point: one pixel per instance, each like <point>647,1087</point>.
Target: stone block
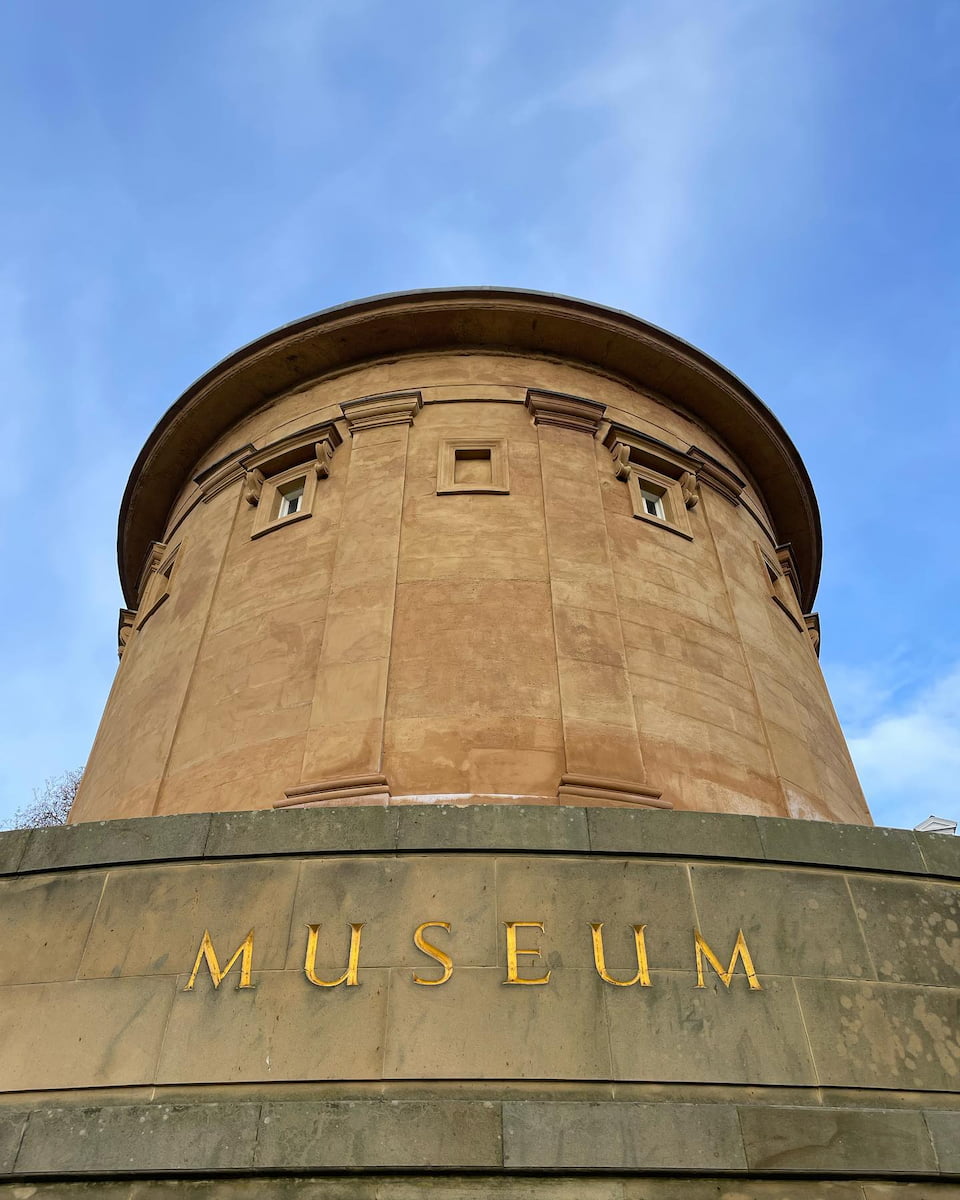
<point>371,1134</point>
<point>567,894</point>
<point>44,922</point>
<point>55,1035</point>
<point>836,1141</point>
<point>812,928</point>
<point>941,853</point>
<point>744,1189</point>
<point>824,843</point>
<point>12,1125</point>
<point>912,927</point>
<point>121,1138</point>
<point>625,1137</point>
<point>151,920</point>
<point>283,1028</point>
<point>301,831</point>
<point>477,1027</point>
<point>676,1032</point>
<point>493,1187</point>
<point>139,839</point>
<point>710,835</point>
<point>392,896</point>
<point>12,845</point>
<point>945,1130</point>
<point>492,827</point>
<point>882,1035</point>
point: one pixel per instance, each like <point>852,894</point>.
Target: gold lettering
<point>643,974</point>
<point>512,952</point>
<point>739,951</point>
<point>444,960</point>
<point>207,953</point>
<point>349,977</point>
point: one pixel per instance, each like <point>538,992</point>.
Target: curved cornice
<point>473,318</point>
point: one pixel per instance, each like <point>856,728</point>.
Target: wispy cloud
<point>907,750</point>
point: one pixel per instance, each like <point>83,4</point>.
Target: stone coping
<point>505,1136</point>
<point>480,827</point>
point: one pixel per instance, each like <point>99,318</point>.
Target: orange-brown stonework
<point>469,545</point>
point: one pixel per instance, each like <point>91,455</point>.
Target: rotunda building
<point>469,817</point>
<point>470,545</point>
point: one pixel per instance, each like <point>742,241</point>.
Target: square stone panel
<point>882,1035</point>
<point>567,894</point>
<point>393,895</point>
<point>794,922</point>
<point>912,927</point>
<point>674,1031</point>
<point>44,921</point>
<point>55,1035</point>
<point>151,919</point>
<point>476,1027</point>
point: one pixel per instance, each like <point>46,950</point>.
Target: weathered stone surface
<point>836,1141</point>
<point>945,1130</point>
<point>284,1028</point>
<point>44,923</point>
<point>913,927</point>
<point>578,1136</point>
<point>118,841</point>
<point>493,827</point>
<point>810,929</point>
<point>676,1031</point>
<point>151,921</point>
<point>941,853</point>
<point>301,831</point>
<point>12,845</point>
<point>139,1138</point>
<point>392,895</point>
<point>827,844</point>
<point>12,1125</point>
<point>573,892</point>
<point>87,1033</point>
<point>882,1035</point>
<point>712,835</point>
<point>477,1027</point>
<point>352,1134</point>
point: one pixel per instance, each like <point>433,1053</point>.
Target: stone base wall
<point>479,1001</point>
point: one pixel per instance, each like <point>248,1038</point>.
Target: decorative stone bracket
<point>315,446</point>
<point>390,408</point>
<point>690,468</point>
<point>569,412</point>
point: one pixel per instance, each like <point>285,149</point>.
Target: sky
<point>776,181</point>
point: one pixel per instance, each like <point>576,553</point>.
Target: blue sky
<point>774,180</point>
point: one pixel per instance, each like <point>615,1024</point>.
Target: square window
<point>156,586</point>
<point>780,588</point>
<point>472,465</point>
<point>284,499</point>
<point>658,499</point>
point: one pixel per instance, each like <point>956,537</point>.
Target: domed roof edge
<point>252,374</point>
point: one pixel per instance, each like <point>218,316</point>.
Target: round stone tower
<point>469,545</point>
<point>467,703</point>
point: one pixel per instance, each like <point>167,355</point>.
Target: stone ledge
<point>485,827</point>
<point>366,1136</point>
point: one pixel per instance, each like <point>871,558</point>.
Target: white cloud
<point>908,755</point>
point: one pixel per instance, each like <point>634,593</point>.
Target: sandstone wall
<point>542,645</point>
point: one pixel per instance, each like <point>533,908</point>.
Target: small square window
<point>284,499</point>
<point>658,499</point>
<point>780,588</point>
<point>472,465</point>
<point>156,586</point>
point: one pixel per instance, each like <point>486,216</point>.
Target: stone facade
<point>543,553</point>
<point>127,1073</point>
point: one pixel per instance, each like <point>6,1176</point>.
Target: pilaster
<point>604,761</point>
<point>343,753</point>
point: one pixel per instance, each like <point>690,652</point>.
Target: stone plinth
<point>824,1064</point>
